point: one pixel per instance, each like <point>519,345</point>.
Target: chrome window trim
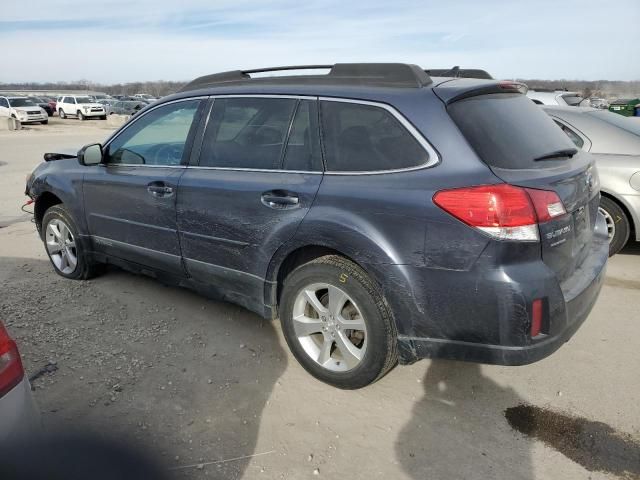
<point>128,124</point>
<point>269,170</point>
<point>433,157</point>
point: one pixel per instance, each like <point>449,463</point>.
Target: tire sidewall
<point>60,213</point>
<point>371,308</point>
<point>621,235</point>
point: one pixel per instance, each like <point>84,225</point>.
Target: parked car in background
<point>596,102</point>
<point>43,104</point>
<point>80,106</point>
<point>145,96</point>
<point>107,104</point>
<point>19,416</point>
<point>614,141</point>
<point>99,96</point>
<point>22,109</point>
<point>428,217</point>
<point>127,107</point>
<point>556,97</point>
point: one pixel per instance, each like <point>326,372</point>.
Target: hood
<point>31,108</point>
<point>91,104</point>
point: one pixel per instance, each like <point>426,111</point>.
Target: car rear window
<point>508,130</point>
<point>572,100</point>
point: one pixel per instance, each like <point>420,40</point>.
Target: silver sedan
<point>614,141</point>
<point>19,416</point>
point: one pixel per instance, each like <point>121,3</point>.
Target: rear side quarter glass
<point>508,130</point>
<point>303,145</point>
<point>367,138</point>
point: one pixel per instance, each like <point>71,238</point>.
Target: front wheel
<point>337,324</point>
<point>66,253</point>
<point>618,226</point>
<point>44,122</point>
<point>81,116</point>
<point>61,113</point>
<point>103,117</point>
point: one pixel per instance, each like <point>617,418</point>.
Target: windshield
<point>21,102</point>
<point>630,124</point>
<point>83,100</point>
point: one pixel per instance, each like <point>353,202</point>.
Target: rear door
<point>259,170</point>
<point>523,146</point>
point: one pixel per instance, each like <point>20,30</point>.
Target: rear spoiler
<point>457,92</point>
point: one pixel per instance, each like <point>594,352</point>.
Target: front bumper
<point>41,117</point>
<point>485,316</point>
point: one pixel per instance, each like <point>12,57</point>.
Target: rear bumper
<point>485,316</point>
<point>19,416</point>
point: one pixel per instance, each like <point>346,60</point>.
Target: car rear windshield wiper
<point>567,152</point>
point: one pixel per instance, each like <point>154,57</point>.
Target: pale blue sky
<point>123,40</point>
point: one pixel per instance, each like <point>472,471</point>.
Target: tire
<point>44,122</point>
<point>374,346</point>
<point>81,117</point>
<point>58,224</point>
<point>61,113</point>
<point>617,224</point>
<point>103,117</point>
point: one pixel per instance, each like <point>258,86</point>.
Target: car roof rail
<point>457,72</point>
<point>375,74</point>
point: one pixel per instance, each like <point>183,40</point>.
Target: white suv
<point>23,109</point>
<point>80,106</point>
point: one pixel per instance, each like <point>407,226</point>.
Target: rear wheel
<point>66,253</point>
<point>337,324</point>
<point>618,226</point>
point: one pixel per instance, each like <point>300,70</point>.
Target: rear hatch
<point>524,147</point>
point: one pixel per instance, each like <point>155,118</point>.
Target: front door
<point>259,170</point>
<point>130,200</point>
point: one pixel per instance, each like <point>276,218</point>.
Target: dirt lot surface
<point>213,391</point>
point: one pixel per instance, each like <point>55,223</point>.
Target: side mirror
<point>90,154</point>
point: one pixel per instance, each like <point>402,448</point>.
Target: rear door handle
<point>159,189</point>
<point>280,199</point>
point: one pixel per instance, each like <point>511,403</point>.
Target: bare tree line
<point>160,88</point>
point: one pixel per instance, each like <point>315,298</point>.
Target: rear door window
<point>247,132</point>
<point>509,131</point>
<point>359,137</point>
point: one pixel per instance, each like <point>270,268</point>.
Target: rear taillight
<point>503,211</point>
<point>11,371</point>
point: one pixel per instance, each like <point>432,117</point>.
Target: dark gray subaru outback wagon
<point>381,214</point>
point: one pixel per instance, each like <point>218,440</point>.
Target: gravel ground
<point>197,381</point>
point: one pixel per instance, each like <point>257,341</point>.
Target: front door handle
<point>280,199</point>
<point>159,189</point>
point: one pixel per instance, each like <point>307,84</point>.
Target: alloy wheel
<point>61,246</point>
<point>611,224</point>
<point>330,327</point>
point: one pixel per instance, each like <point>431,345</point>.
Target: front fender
<point>63,179</point>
